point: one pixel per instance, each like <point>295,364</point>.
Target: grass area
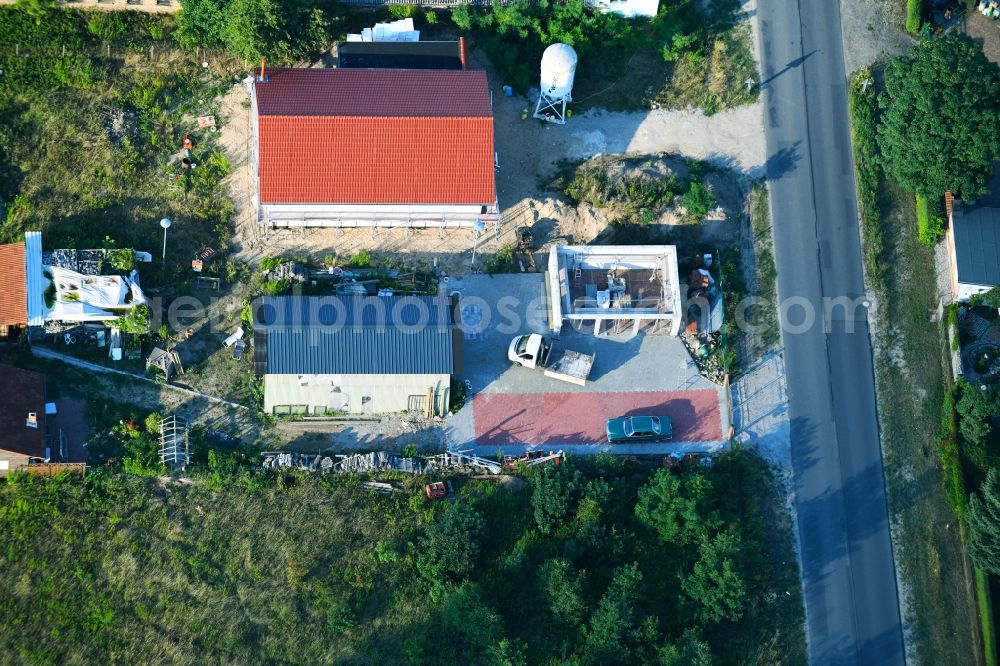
<point>868,175</point>
<point>983,599</point>
<point>714,81</point>
<point>930,551</point>
<point>910,384</point>
<point>597,560</point>
<point>764,316</point>
<point>914,16</point>
<point>91,121</point>
<point>930,222</point>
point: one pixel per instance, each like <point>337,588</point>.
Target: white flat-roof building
<point>627,287</point>
<point>58,289</point>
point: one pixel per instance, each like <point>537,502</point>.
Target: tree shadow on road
<point>783,162</point>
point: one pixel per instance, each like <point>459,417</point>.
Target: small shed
<point>167,361</point>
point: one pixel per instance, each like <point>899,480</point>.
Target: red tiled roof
<point>21,392</point>
<point>13,285</point>
<point>375,137</point>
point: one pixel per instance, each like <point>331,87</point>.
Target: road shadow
<point>793,64</point>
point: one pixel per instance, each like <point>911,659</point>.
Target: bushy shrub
<point>252,29</point>
<point>268,264</point>
<point>122,259</point>
<point>136,321</point>
<point>361,259</point>
<point>107,25</point>
<point>699,200</point>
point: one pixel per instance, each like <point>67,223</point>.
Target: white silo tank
<point>558,71</point>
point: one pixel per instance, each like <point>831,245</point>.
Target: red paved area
<point>579,418</point>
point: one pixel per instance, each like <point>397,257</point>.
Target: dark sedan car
<point>639,429</point>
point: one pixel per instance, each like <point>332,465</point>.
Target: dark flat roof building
<point>401,55</point>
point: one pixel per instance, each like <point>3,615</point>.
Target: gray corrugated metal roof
<point>357,335</point>
<point>407,311</point>
<point>361,350</point>
<point>977,245</point>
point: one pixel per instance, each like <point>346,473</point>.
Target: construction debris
<point>289,270</point>
<point>380,487</point>
<point>380,461</point>
<point>533,458</point>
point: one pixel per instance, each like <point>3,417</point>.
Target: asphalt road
<point>852,608</point>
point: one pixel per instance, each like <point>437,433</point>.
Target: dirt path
<point>234,138</point>
<point>209,412</point>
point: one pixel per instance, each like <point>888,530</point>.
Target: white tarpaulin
<point>396,31</point>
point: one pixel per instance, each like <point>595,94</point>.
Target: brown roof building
<point>22,417</point>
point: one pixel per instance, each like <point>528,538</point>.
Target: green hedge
<point>951,463</point>
<point>930,225</point>
<point>953,326</point>
<point>863,104</point>
<point>914,15</point>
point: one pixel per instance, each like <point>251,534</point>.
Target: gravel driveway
<point>529,150</point>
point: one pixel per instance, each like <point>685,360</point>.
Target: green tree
<point>983,518</point>
<point>690,650</point>
<point>462,17</point>
<point>200,23</point>
<point>256,29</point>
<point>613,625</point>
<point>676,507</point>
<point>470,621</point>
<point>977,411</point>
<point>940,126</point>
<point>508,652</point>
<point>557,488</point>
<point>451,547</point>
<point>716,584</point>
<point>562,591</point>
<point>252,29</point>
<point>136,321</point>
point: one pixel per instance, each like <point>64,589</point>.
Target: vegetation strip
<point>929,551</point>
<point>594,559</point>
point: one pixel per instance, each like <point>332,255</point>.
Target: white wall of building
<point>354,394</point>
<point>375,215</point>
<point>965,290</point>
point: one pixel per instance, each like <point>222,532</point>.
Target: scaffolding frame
<point>175,451</point>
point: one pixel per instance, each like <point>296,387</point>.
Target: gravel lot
<point>872,30</point>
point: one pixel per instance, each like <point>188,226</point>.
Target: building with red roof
<point>13,292</point>
<point>373,147</point>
